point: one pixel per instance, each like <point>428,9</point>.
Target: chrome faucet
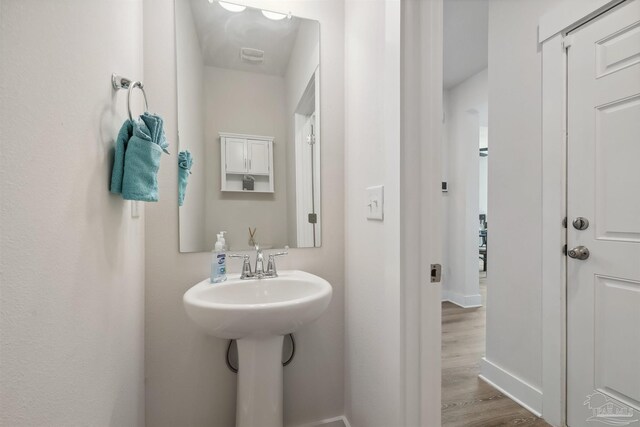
<point>259,271</point>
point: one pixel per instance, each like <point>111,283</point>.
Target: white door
<point>258,157</point>
<point>235,155</point>
<point>306,222</point>
<point>603,294</point>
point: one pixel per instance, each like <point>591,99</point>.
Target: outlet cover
<point>375,203</point>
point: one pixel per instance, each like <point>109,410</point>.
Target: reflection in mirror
<point>248,127</point>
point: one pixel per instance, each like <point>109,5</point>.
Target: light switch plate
<point>375,203</point>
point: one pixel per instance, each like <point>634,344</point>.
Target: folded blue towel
<point>141,164</point>
<point>185,161</point>
<point>137,159</point>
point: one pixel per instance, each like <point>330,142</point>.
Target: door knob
<point>579,252</point>
<point>581,223</point>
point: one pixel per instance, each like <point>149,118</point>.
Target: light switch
<point>375,203</point>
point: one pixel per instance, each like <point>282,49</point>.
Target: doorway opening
<point>305,156</point>
<point>467,398</point>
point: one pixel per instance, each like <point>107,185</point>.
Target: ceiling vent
<point>253,56</point>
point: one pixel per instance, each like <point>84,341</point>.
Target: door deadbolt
<point>579,252</point>
<point>581,223</point>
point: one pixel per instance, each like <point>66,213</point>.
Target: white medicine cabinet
<point>246,161</point>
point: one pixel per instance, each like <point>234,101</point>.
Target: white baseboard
<point>464,301</point>
<point>340,421</point>
<point>515,388</point>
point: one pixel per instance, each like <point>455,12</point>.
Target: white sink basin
<point>237,308</point>
<point>258,313</point>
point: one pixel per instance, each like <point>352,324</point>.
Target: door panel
<point>618,51</point>
<point>236,155</point>
<point>258,157</point>
<point>617,355</point>
<point>617,170</point>
<point>603,291</point>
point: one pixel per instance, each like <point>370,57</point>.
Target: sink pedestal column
<point>259,400</point>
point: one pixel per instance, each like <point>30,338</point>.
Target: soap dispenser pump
<point>219,260</point>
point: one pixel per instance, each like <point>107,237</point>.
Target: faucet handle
<point>271,265</point>
<point>283,253</point>
<point>246,265</point>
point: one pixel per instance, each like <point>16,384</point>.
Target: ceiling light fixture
<point>230,6</point>
<point>274,16</point>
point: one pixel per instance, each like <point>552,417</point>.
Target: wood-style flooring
<point>466,399</point>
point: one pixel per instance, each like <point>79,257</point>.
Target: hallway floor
<point>466,399</point>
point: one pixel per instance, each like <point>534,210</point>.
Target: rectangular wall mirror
<point>248,127</point>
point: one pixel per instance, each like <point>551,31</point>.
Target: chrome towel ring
<point>120,82</point>
<point>132,86</point>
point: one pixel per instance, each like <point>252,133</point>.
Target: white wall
<point>374,380</point>
<point>72,276</point>
<point>466,111</point>
<point>514,324</point>
<point>254,104</point>
<point>484,171</point>
<point>190,87</point>
<point>187,380</point>
<point>483,184</point>
<point>305,57</point>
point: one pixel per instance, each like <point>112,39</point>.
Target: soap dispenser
<point>219,260</point>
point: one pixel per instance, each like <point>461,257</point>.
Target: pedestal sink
<point>258,313</point>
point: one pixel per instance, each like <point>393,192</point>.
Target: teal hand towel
<point>141,164</point>
<point>185,161</point>
<point>139,147</point>
<point>126,131</point>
